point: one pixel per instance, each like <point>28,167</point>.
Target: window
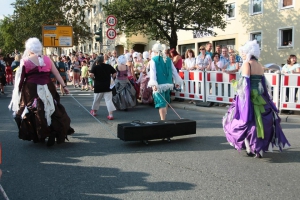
<point>286,37</point>
<point>96,47</point>
<point>95,8</point>
<point>90,47</point>
<point>225,43</point>
<point>89,12</point>
<point>95,28</point>
<point>256,36</point>
<point>286,3</point>
<point>256,6</point>
<point>230,11</point>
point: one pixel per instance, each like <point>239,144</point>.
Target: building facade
<point>273,23</point>
<point>95,18</point>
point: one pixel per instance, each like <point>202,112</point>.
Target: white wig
<point>128,57</point>
<point>122,60</point>
<point>152,54</point>
<point>135,54</point>
<point>160,50</point>
<point>157,47</point>
<point>251,48</point>
<point>145,55</point>
<point>33,45</point>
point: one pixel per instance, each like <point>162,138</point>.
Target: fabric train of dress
<point>253,116</point>
<point>125,95</point>
<point>31,117</point>
<point>145,91</point>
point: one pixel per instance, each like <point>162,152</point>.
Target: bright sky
<point>6,8</point>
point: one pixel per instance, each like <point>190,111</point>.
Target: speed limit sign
<point>111,33</point>
<point>111,20</point>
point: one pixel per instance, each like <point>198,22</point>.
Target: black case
<point>140,131</point>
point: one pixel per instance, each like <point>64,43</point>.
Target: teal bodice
<point>254,81</point>
<point>163,70</point>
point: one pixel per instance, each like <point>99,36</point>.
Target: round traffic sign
<point>111,20</point>
<point>111,33</point>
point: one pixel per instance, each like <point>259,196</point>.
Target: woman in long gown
<point>252,120</point>
<point>125,92</point>
<point>35,101</point>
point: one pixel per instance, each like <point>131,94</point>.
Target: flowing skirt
<point>237,130</point>
<point>125,95</point>
<point>145,91</point>
<point>34,124</point>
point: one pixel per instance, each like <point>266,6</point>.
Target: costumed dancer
<point>145,91</point>
<point>252,120</point>
<point>35,101</point>
<point>162,70</point>
<point>125,92</point>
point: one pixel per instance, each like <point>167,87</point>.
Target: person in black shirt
<point>103,74</point>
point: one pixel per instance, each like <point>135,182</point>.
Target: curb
<point>222,110</point>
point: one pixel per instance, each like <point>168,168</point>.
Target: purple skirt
<point>237,129</point>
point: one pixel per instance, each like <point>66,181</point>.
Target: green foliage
<point>161,19</point>
<point>30,15</point>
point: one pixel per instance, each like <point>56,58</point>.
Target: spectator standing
<point>218,49</point>
<point>190,60</point>
<point>208,48</point>
<point>84,75</point>
<point>203,61</point>
<point>224,57</point>
<point>291,67</point>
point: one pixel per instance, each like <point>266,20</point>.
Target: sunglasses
<point>202,49</point>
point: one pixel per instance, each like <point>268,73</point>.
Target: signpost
<point>111,33</point>
<point>111,20</point>
<point>57,36</point>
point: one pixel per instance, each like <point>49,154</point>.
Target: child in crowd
<point>91,80</point>
<point>84,75</point>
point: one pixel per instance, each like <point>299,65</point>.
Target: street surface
<point>95,164</point>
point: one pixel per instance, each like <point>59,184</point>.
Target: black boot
<point>18,121</point>
<point>51,139</point>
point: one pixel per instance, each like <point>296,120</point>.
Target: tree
<point>30,15</point>
<point>162,19</point>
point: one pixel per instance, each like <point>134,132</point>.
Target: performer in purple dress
<point>252,120</point>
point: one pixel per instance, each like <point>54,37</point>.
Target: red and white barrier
<point>218,86</point>
<point>289,92</point>
<point>274,82</point>
<point>193,85</point>
<point>215,86</point>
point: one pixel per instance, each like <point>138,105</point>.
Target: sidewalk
<point>295,118</point>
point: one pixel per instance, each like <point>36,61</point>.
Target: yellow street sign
<point>57,36</point>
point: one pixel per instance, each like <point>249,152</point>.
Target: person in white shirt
<point>216,64</point>
<point>190,60</point>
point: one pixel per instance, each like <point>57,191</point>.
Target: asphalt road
<point>95,164</point>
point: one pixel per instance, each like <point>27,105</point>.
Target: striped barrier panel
<point>218,86</point>
<point>274,82</point>
<point>193,85</point>
<point>289,92</point>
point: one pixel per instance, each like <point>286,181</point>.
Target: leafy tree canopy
<point>162,19</point>
<point>30,15</point>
